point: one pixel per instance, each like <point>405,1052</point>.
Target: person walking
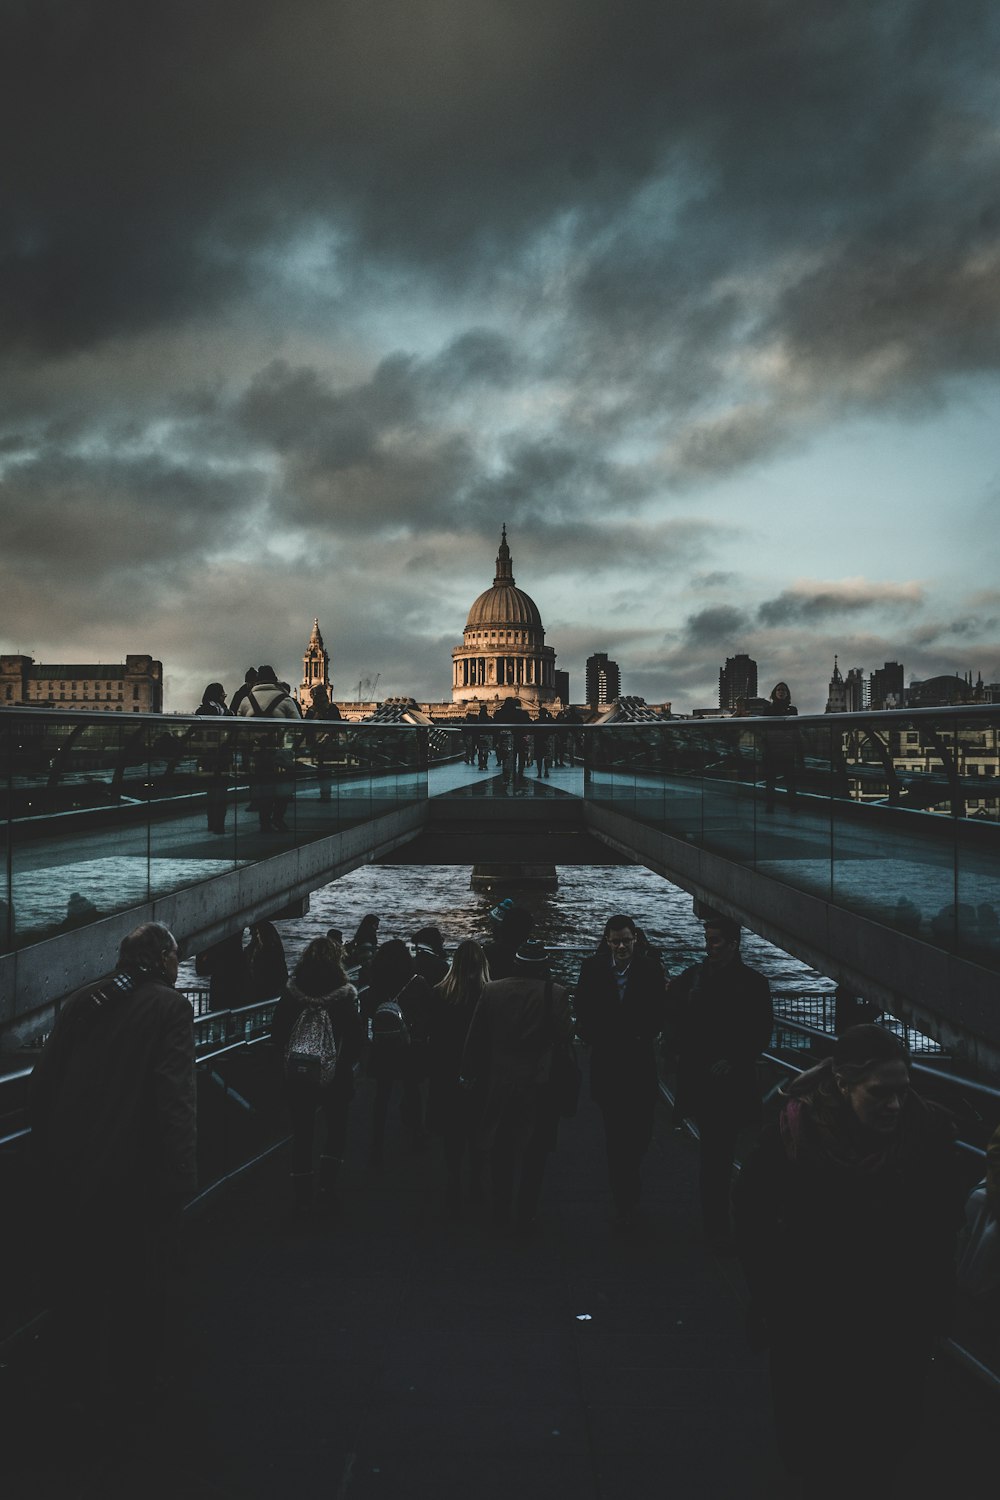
<point>719,1021</point>
<point>781,749</point>
<point>451,1108</point>
<point>398,1052</point>
<point>267,698</point>
<point>319,981</point>
<point>214,760</point>
<point>846,1216</point>
<point>508,1056</point>
<point>113,1136</point>
<point>620,1010</point>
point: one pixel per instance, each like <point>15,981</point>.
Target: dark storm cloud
<point>718,625</point>
<point>811,604</point>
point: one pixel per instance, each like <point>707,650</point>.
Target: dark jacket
<point>867,1248</point>
<point>508,1053</point>
<point>620,1032</point>
<point>716,1013</point>
<point>112,1100</point>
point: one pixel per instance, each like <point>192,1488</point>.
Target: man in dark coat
<point>621,1008</point>
<point>720,1022</point>
<point>508,1059</point>
<point>112,1110</point>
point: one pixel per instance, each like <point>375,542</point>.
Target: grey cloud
<point>837,599</point>
<point>719,624</point>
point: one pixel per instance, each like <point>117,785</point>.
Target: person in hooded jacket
<point>846,1217</point>
<point>319,979</point>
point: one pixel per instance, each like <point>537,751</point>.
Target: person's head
<point>532,960</point>
<point>619,934</point>
<point>320,694</point>
<point>250,676</point>
<point>871,1071</point>
<point>150,950</point>
<point>334,935</point>
<point>367,929</point>
<point>319,970</point>
<point>391,967</point>
<point>429,939</point>
<point>515,926</point>
<point>780,693</point>
<point>214,693</point>
<point>468,973</point>
<point>722,939</point>
<point>264,935</point>
<point>266,674</point>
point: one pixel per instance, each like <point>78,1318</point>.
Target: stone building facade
<point>503,652</point>
<point>134,686</point>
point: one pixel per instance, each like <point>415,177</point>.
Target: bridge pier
<point>489,878</point>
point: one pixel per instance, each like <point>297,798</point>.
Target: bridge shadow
<point>394,1352</point>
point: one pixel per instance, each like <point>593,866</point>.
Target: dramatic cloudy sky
<point>301,299</point>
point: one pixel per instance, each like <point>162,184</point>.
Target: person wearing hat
<point>621,1007</point>
<point>508,1056</point>
<point>512,925</point>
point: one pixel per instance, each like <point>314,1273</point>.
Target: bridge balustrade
<point>892,815</point>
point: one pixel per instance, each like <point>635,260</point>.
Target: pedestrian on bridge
<point>621,1002</point>
<point>112,1109</point>
<point>846,1217</point>
<point>720,1021</point>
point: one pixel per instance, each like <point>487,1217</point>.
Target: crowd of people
<point>848,1206</point>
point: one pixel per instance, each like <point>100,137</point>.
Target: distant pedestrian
<point>781,747</point>
<point>266,963</point>
<point>213,700</point>
<point>273,766</point>
<point>508,1056</point>
<point>621,1001</point>
<point>321,743</point>
<point>112,1109</point>
<point>319,980</point>
<point>452,1109</point>
<point>249,678</point>
<point>720,1020</point>
<point>846,1218</point>
<point>215,759</point>
<point>364,944</point>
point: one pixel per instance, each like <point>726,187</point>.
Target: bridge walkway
<point>394,1353</point>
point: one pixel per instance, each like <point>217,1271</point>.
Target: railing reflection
<point>100,813</point>
<point>893,815</point>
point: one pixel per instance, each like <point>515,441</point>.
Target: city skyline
<point>302,303</point>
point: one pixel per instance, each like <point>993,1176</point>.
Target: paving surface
<point>395,1353</point>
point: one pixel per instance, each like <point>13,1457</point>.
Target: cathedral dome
<point>504,605</point>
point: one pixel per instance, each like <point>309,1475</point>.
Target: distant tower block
<point>315,669</point>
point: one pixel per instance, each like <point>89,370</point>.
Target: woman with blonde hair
<point>452,1110</point>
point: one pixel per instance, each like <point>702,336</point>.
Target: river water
<point>570,917</point>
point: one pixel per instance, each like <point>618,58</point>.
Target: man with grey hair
<point>112,1110</point>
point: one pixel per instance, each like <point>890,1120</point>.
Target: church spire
<point>504,573</point>
<point>316,638</point>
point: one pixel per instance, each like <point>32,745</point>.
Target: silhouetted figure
<point>319,980</point>
<point>112,1110</point>
<point>720,1021</point>
<point>400,1057</point>
<point>214,760</point>
<point>846,1216</point>
<point>452,1109</point>
<point>225,965</point>
<point>266,962</point>
<point>780,746</point>
<point>512,926</point>
<point>620,1010</point>
<point>508,1054</point>
<point>429,955</point>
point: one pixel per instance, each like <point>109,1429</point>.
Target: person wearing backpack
<point>317,1031</point>
<point>267,698</point>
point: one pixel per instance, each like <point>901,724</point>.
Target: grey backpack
<point>311,1054</point>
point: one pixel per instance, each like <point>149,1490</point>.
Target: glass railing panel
<point>894,836</point>
<point>792,801</point>
<point>78,845</point>
<point>730,765</point>
<point>194,772</point>
<point>976,750</point>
